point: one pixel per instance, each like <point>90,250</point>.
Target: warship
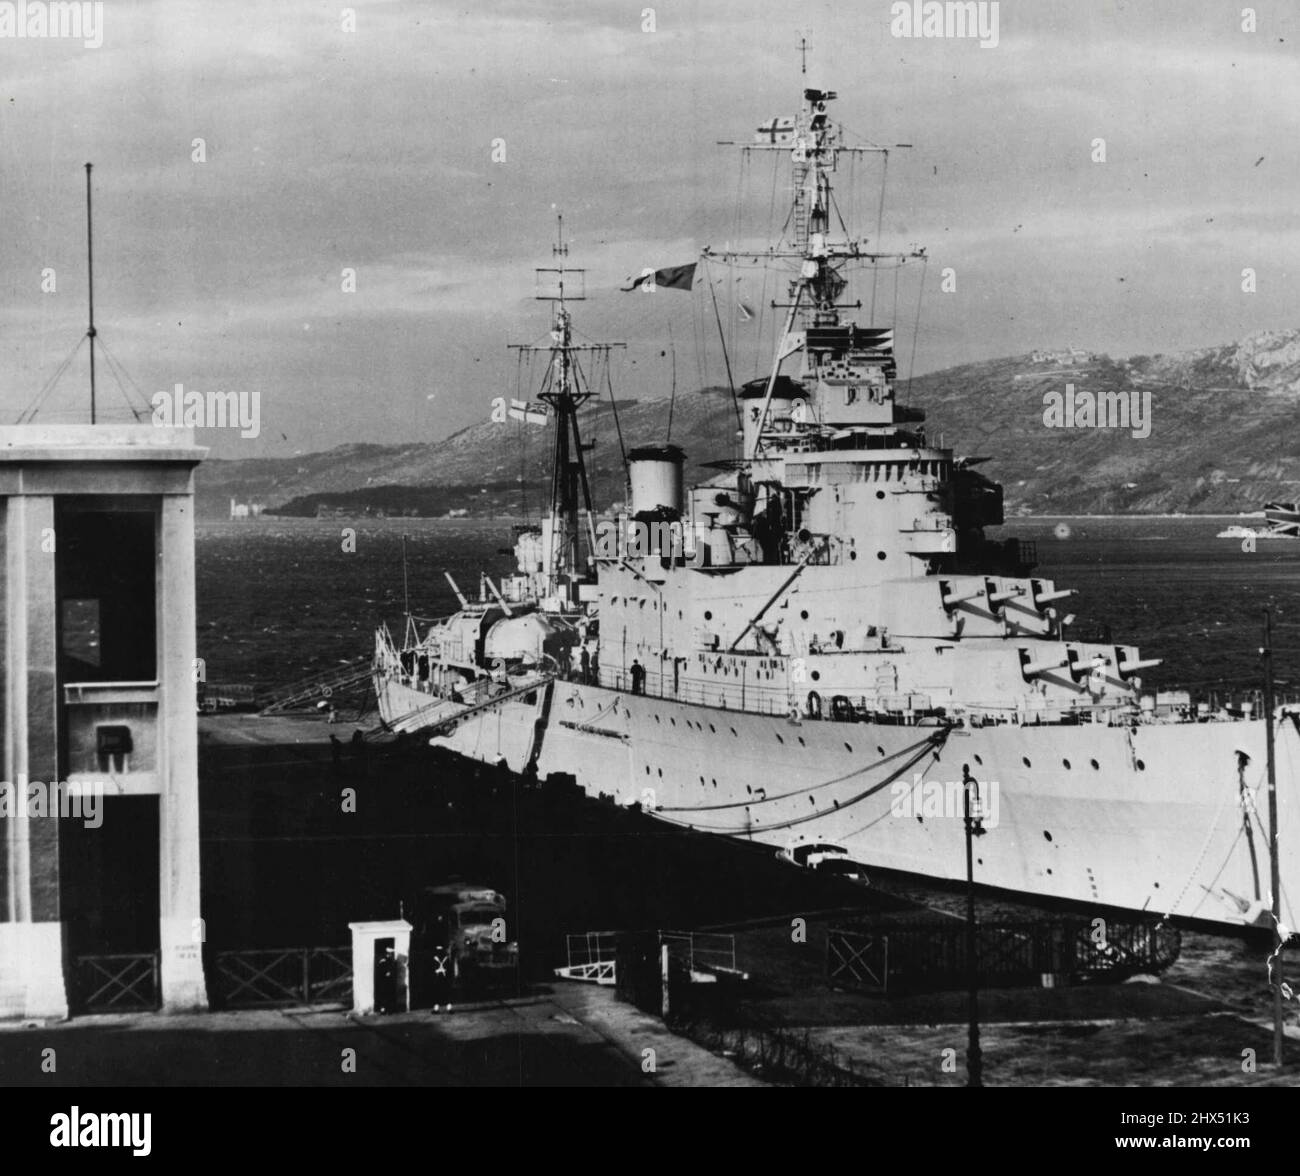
<point>819,646</point>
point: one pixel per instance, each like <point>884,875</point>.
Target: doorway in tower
<point>109,898</point>
<point>106,568</point>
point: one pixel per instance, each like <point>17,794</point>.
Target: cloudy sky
<point>372,149</point>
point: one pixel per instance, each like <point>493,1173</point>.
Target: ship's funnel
<point>655,472</point>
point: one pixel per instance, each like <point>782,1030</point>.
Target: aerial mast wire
<point>90,282</point>
<point>726,359</point>
<point>672,399</point>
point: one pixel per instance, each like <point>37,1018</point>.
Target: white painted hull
<point>1156,826</point>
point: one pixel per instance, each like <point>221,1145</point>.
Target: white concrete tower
<point>99,797</point>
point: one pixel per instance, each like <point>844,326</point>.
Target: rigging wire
<point>29,413</point>
<point>880,228</point>
<point>118,371</point>
<point>672,398</point>
<point>726,358</point>
<point>916,326</point>
<point>618,428</point>
<point>523,442</point>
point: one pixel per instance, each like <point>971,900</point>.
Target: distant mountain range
<point>1224,437</point>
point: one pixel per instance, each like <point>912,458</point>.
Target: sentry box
<point>380,954</point>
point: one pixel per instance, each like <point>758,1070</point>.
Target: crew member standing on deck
<point>638,677</point>
<point>586,667</point>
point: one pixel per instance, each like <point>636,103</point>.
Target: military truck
<point>470,922</point>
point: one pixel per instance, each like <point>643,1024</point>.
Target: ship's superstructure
<point>819,644</point>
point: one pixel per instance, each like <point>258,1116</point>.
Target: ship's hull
<point>1146,818</point>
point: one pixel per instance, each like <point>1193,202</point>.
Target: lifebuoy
<point>814,705</point>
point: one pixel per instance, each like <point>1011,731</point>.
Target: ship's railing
<point>751,697</point>
<point>741,695</point>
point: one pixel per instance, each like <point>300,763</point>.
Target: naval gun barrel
<point>1128,669</point>
<point>1043,665</point>
<point>954,596</point>
<point>1056,594</point>
<point>1006,594</point>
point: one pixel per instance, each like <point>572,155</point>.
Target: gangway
<point>591,958</point>
<point>421,718</point>
<point>701,957</point>
<point>318,687</point>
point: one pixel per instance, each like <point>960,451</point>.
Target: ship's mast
<point>815,145</point>
<point>564,391</point>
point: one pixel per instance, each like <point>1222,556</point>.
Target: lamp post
<point>974,828</point>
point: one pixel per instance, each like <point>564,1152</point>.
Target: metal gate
<point>853,960</point>
<point>922,956</point>
<point>121,983</point>
<point>265,977</point>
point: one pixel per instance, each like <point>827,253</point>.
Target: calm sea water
<point>282,598</point>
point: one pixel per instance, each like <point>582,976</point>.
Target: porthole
<point>1096,767</point>
<point>661,773</point>
<point>656,718</point>
<point>708,616</point>
<point>880,555</point>
<point>1066,762</point>
<point>880,750</point>
<point>778,737</point>
<point>803,614</point>
<point>816,675</point>
<point>672,720</point>
<point>1049,869</point>
<point>880,494</point>
<point>853,555</point>
<point>647,769</point>
<point>713,729</point>
<point>733,731</point>
<point>848,749</point>
<point>1047,835</point>
<point>1024,759</point>
<point>1141,767</point>
<point>801,742</point>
